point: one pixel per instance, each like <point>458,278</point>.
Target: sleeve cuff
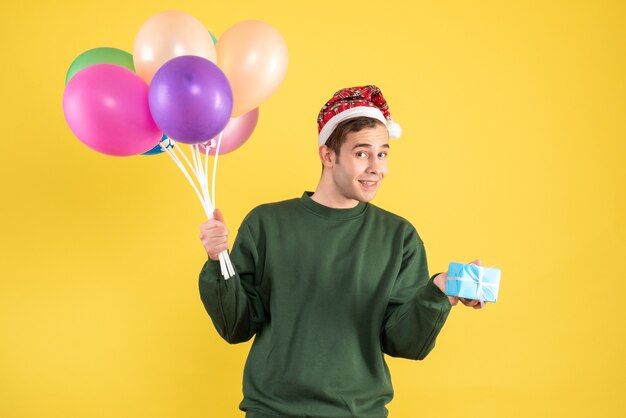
<point>211,271</point>
<point>432,293</point>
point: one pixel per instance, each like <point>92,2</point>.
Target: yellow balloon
<point>167,35</point>
<point>253,55</point>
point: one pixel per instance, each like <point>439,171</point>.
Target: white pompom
<point>395,131</point>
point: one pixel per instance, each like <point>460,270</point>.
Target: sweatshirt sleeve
<point>417,308</point>
<point>237,306</point>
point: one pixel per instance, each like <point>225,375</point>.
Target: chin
<point>365,197</point>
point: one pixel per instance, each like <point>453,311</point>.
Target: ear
<point>327,156</point>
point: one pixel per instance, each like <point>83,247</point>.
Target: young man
<point>327,282</point>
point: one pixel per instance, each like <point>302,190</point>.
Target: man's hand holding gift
<point>470,283</point>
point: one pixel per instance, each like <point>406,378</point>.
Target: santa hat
<point>354,102</point>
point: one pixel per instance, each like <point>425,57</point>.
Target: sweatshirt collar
<point>332,213</point>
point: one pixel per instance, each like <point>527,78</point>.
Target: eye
<point>361,154</point>
<point>382,155</point>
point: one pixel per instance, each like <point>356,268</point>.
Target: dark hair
<point>339,135</point>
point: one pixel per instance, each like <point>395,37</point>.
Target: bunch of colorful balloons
<point>180,86</point>
<point>178,83</point>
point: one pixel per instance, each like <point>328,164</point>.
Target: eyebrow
<point>369,146</point>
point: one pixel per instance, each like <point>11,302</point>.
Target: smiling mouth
<point>368,184</point>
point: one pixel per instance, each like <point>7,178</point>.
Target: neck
<point>327,194</point>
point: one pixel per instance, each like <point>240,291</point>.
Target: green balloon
<point>213,37</point>
<point>103,55</point>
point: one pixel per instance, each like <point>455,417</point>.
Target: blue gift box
<point>473,282</point>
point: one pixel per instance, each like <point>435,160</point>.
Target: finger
<point>215,231</point>
<point>218,231</point>
<point>469,302</point>
<point>217,215</point>
<point>214,242</point>
<point>210,224</point>
<point>214,253</point>
<point>481,305</point>
<point>477,262</point>
<point>453,300</point>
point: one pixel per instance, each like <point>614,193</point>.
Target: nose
<point>375,166</point>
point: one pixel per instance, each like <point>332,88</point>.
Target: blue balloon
<point>158,150</point>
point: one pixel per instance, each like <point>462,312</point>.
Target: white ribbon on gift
<point>483,287</point>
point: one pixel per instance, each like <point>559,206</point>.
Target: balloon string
<point>182,168</point>
<point>226,267</point>
<point>203,189</point>
<point>195,153</point>
<point>178,163</point>
<point>198,166</point>
<point>229,265</point>
<point>193,159</point>
<point>187,161</point>
<point>217,153</point>
<point>198,162</point>
<point>194,170</point>
<point>206,163</point>
<point>224,256</point>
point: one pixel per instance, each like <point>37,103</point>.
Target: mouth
<point>368,184</point>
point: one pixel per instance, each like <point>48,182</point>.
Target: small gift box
<point>473,282</point>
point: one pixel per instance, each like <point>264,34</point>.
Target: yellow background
<point>513,151</point>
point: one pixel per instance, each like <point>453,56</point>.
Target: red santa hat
<point>351,103</point>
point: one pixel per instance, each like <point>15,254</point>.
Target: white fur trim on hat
<point>353,112</point>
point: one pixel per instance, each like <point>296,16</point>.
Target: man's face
<point>362,163</point>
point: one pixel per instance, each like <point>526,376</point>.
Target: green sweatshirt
<point>327,292</point>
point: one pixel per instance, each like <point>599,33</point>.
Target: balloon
<point>190,99</point>
<point>102,55</point>
<point>106,107</point>
<point>165,141</point>
<point>235,133</point>
<point>253,55</point>
<point>167,35</point>
<point>213,38</point>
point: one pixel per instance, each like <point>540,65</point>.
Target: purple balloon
<point>190,99</point>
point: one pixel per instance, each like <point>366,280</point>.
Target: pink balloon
<point>106,107</point>
<point>236,132</point>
